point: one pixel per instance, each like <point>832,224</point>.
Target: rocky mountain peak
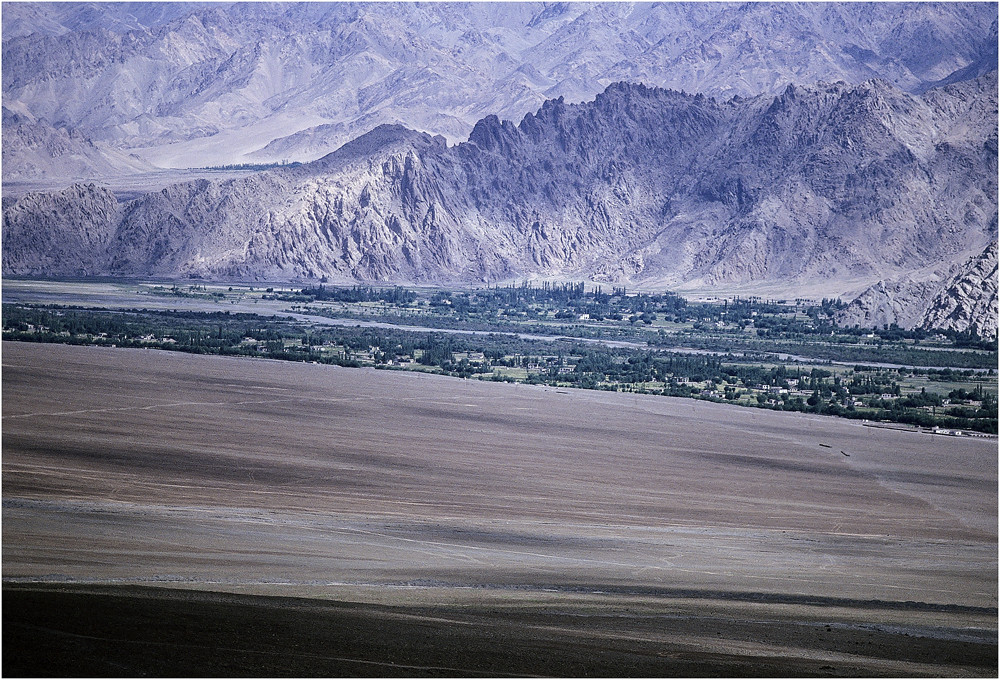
<point>386,139</point>
<point>492,134</point>
<point>159,80</point>
<point>641,186</point>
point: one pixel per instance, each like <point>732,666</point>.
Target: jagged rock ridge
<point>198,84</point>
<point>834,187</point>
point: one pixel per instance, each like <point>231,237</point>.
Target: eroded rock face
<point>900,302</point>
<point>968,302</point>
<point>64,233</point>
<point>820,186</point>
<point>964,298</point>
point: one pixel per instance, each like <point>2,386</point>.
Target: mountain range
<point>782,149</point>
<point>200,84</point>
<point>822,188</point>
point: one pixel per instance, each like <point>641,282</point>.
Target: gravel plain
<point>360,522</point>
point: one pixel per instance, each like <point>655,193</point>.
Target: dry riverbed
<point>307,519</point>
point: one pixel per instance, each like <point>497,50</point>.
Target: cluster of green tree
<point>395,295</point>
<point>969,339</point>
<point>828,307</point>
<point>831,395</point>
<point>865,382</point>
<point>963,395</point>
<point>778,326</point>
<point>789,326</point>
<point>565,301</point>
<point>254,166</point>
<point>557,362</point>
<point>193,291</point>
<point>558,293</point>
<point>827,348</point>
<point>950,374</point>
<point>893,333</point>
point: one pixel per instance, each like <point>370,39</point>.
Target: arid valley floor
<point>174,514</point>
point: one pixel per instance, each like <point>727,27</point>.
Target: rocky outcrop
<point>823,186</point>
<point>963,298</point>
<point>64,233</point>
<point>901,302</point>
<point>968,302</point>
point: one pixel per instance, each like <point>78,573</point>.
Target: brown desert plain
<point>179,515</point>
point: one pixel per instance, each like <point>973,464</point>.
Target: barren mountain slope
<point>34,149</point>
<point>836,184</point>
<point>207,84</point>
<point>66,232</point>
<point>968,302</point>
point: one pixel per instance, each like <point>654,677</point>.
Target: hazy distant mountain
<point>33,149</point>
<point>59,18</point>
<point>824,189</point>
<point>197,84</point>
